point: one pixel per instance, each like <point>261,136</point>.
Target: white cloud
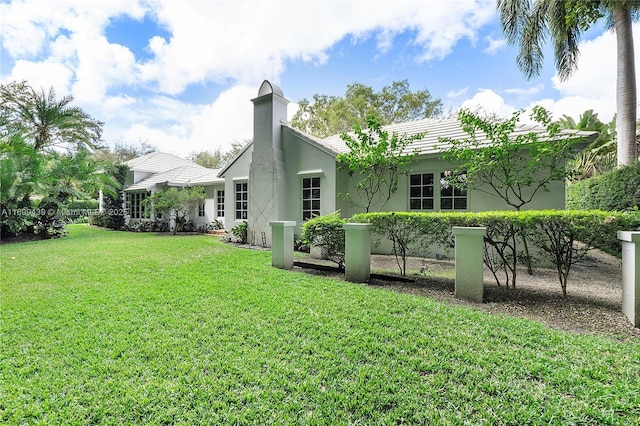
<point>593,85</point>
<point>43,75</point>
<point>490,102</point>
<point>101,65</point>
<point>229,118</point>
<point>29,26</point>
<point>63,44</point>
<point>494,45</point>
<point>180,127</point>
<point>525,92</point>
<point>458,93</point>
<point>263,36</point>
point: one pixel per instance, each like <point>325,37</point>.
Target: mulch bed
<point>593,305</point>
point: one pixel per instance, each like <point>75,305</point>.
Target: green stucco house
<point>288,175</point>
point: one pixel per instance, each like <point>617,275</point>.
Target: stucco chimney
<point>267,175</point>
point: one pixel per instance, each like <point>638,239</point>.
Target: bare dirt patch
<point>593,304</point>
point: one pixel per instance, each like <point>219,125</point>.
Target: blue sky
<point>180,74</point>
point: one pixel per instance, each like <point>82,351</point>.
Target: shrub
<point>616,190</point>
<point>407,232</point>
<point>240,231</point>
<point>561,236</point>
<point>211,226</point>
<point>564,237</point>
<point>326,233</point>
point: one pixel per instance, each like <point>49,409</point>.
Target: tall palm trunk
<point>626,86</point>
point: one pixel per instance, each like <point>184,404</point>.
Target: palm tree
<point>600,155</point>
<point>34,126</point>
<point>47,122</point>
<point>530,23</point>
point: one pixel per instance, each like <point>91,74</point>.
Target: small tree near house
<point>176,204</point>
<point>508,164</point>
<point>379,158</point>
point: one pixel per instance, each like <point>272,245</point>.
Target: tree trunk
<point>626,86</point>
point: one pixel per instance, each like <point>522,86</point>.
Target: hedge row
<point>561,236</point>
<point>616,190</point>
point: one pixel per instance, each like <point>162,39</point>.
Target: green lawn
<point>129,328</point>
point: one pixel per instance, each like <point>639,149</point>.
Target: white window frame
<point>220,202</point>
<point>134,204</point>
<point>422,187</point>
<point>241,213</point>
<point>308,196</point>
<point>456,196</point>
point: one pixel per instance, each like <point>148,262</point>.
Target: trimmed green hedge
<point>616,190</point>
<point>327,234</point>
<point>561,236</point>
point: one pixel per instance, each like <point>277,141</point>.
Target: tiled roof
<point>158,162</point>
<point>434,129</point>
<point>209,177</point>
<point>170,170</point>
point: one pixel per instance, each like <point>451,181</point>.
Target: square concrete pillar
<point>469,263</point>
<point>282,244</point>
<point>357,252</point>
<point>631,275</point>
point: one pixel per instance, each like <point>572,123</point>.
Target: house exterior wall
<point>477,200</point>
<point>236,172</point>
<point>135,177</point>
<point>304,160</point>
<point>279,159</point>
<point>210,206</point>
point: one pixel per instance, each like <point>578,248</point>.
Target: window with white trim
<point>452,198</point>
<point>220,203</point>
<point>310,197</point>
<point>134,204</point>
<point>421,191</point>
<point>242,200</point>
<point>201,209</point>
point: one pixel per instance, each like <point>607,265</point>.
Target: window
<point>421,191</point>
<point>242,200</point>
<point>452,198</point>
<point>134,204</point>
<point>220,203</point>
<point>310,197</point>
<point>201,210</point>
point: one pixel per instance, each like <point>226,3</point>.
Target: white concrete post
<point>631,275</point>
<point>469,263</point>
<point>282,244</point>
<point>357,252</point>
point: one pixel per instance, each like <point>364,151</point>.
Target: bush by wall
<point>327,234</point>
<point>616,190</point>
<point>561,236</point>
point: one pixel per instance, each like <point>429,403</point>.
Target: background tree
<point>529,24</point>
<point>176,204</point>
<point>212,160</point>
<point>231,153</point>
<point>331,115</point>
<point>600,155</point>
<point>46,122</point>
<point>218,158</point>
<point>379,159</point>
<point>123,151</point>
<point>44,151</point>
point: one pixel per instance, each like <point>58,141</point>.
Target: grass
<point>129,328</point>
